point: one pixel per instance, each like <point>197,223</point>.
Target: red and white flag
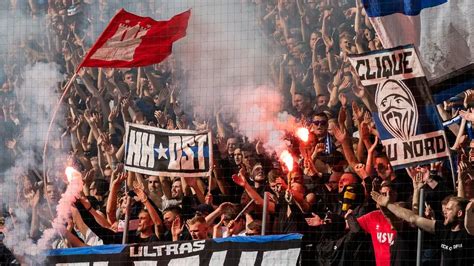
<point>131,41</point>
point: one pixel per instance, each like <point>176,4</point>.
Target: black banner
<point>155,151</point>
<point>252,250</point>
<point>402,108</point>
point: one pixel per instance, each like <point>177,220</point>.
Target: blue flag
<point>442,32</point>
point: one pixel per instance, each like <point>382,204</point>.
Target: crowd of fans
<point>343,195</point>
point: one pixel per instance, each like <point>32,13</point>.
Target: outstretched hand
<point>177,227</point>
<point>380,199</point>
<point>360,170</point>
<point>468,115</point>
<point>374,145</point>
<point>121,177</point>
<point>340,134</point>
<point>239,179</point>
<point>141,195</point>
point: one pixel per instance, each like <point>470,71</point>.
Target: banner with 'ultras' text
<point>273,250</point>
<point>155,151</point>
<point>402,107</point>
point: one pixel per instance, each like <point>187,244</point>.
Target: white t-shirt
<point>90,238</point>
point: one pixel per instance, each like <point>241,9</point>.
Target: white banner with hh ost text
<point>155,151</point>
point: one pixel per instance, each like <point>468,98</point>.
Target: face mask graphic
<point>397,109</point>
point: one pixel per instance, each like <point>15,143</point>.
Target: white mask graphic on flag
<point>122,45</point>
<point>397,109</point>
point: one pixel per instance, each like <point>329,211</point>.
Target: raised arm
<point>191,183</point>
<point>417,178</point>
<point>240,180</point>
<point>359,39</point>
<point>117,179</point>
<point>405,214</point>
<point>363,140</point>
<point>469,218</point>
<point>459,136</point>
<point>329,42</point>
<point>143,197</point>
<point>89,82</point>
<point>369,166</point>
<point>282,73</point>
<point>317,83</point>
<point>342,136</point>
<point>107,235</point>
<point>98,216</point>
<point>35,221</point>
<point>211,217</point>
<point>359,91</point>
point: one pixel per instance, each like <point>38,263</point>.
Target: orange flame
<point>286,157</point>
<point>303,133</point>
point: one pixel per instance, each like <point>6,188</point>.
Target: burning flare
<point>303,134</point>
<point>286,157</point>
<point>72,174</point>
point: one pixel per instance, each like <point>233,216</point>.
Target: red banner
<point>131,41</point>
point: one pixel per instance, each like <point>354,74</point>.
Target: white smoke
<point>63,210</point>
<point>38,97</point>
<point>17,235</point>
<point>259,117</point>
<point>16,28</point>
<point>224,54</point>
<point>227,59</point>
<point>21,245</point>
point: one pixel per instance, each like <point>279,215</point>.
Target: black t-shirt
<point>403,185</point>
<point>434,196</point>
<point>138,239</point>
<point>403,250</point>
<point>284,224</point>
<point>227,169</point>
<point>326,200</point>
<point>457,248</point>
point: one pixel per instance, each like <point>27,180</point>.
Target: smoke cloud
<point>38,98</point>
<point>259,116</point>
<point>226,60</point>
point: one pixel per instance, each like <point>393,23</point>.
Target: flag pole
<point>212,168</point>
<point>127,217</point>
<point>419,240</point>
<point>45,149</point>
<point>264,213</point>
<point>55,112</point>
<point>53,118</point>
<point>451,164</point>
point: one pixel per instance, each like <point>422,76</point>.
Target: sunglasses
<point>320,123</point>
